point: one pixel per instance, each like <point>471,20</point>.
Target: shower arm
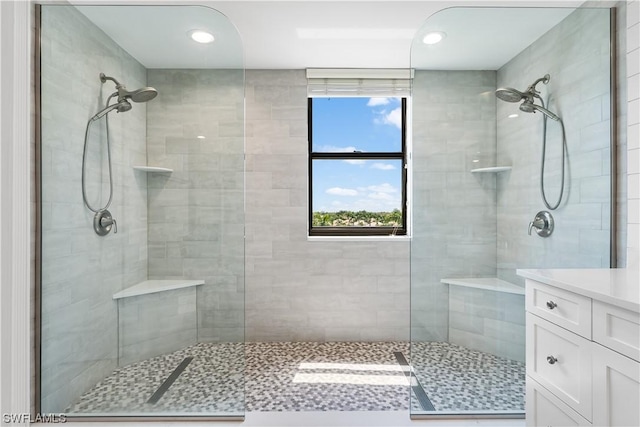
<point>104,78</point>
<point>532,87</point>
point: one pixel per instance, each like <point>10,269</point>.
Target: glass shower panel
<point>476,173</point>
<point>142,283</point>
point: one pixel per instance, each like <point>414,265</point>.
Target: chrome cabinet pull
<point>551,305</point>
<point>552,360</point>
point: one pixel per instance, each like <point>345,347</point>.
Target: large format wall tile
<point>196,214</point>
<point>300,290</point>
<point>80,270</point>
<point>454,210</point>
<point>576,55</point>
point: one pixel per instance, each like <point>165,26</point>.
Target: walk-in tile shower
<point>163,268</point>
<point>143,309</point>
<point>478,192</point>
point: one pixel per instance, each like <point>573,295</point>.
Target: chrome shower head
<point>510,94</point>
<point>527,107</point>
<point>143,94</point>
<point>528,97</point>
<point>530,107</point>
<point>120,107</point>
<point>140,95</point>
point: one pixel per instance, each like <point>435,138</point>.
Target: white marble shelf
<point>152,286</point>
<point>487,283</point>
<point>493,169</point>
<point>152,169</point>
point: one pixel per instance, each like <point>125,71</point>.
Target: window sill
<point>359,238</point>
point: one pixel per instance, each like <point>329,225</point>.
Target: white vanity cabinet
<point>582,347</point>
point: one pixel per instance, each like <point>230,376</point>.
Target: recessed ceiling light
<point>201,36</point>
<point>513,116</point>
<point>433,37</point>
<point>200,137</point>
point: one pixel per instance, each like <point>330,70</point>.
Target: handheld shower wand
<point>529,107</point>
<point>120,107</point>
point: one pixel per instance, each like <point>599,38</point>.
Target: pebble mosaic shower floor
<point>308,376</point>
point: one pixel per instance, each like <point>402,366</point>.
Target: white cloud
<point>381,196</point>
<point>382,188</point>
<point>335,149</point>
<point>374,102</point>
<point>383,166</point>
<point>355,162</point>
<point>394,117</point>
<point>337,191</point>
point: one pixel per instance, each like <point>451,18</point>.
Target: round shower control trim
<point>103,222</point>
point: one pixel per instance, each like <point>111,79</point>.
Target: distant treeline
<point>357,219</point>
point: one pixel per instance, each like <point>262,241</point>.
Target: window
<point>357,166</point>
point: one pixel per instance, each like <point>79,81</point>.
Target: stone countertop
<point>616,286</point>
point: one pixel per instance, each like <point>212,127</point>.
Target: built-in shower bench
<point>156,317</point>
<point>487,314</point>
<point>152,286</point>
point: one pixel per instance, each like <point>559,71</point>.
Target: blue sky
<point>356,124</point>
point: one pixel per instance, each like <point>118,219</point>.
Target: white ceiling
<point>325,34</point>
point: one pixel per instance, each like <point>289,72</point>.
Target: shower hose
<point>84,162</point>
<point>542,163</point>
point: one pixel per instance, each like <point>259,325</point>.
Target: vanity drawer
<point>545,409</point>
<point>561,362</point>
<point>564,308</point>
<point>617,328</point>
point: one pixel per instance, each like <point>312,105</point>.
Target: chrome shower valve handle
<point>543,224</point>
<point>103,222</point>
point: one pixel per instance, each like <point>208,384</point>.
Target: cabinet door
<point>545,409</point>
<point>616,388</point>
<point>617,328</point>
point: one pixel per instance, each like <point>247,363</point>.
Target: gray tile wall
<point>488,321</point>
<point>454,211</point>
<point>300,290</point>
<point>196,213</point>
<point>80,270</point>
<point>154,324</point>
<point>576,55</point>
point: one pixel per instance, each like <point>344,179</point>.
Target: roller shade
<point>357,82</point>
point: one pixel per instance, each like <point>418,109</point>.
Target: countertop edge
<point>572,277</point>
